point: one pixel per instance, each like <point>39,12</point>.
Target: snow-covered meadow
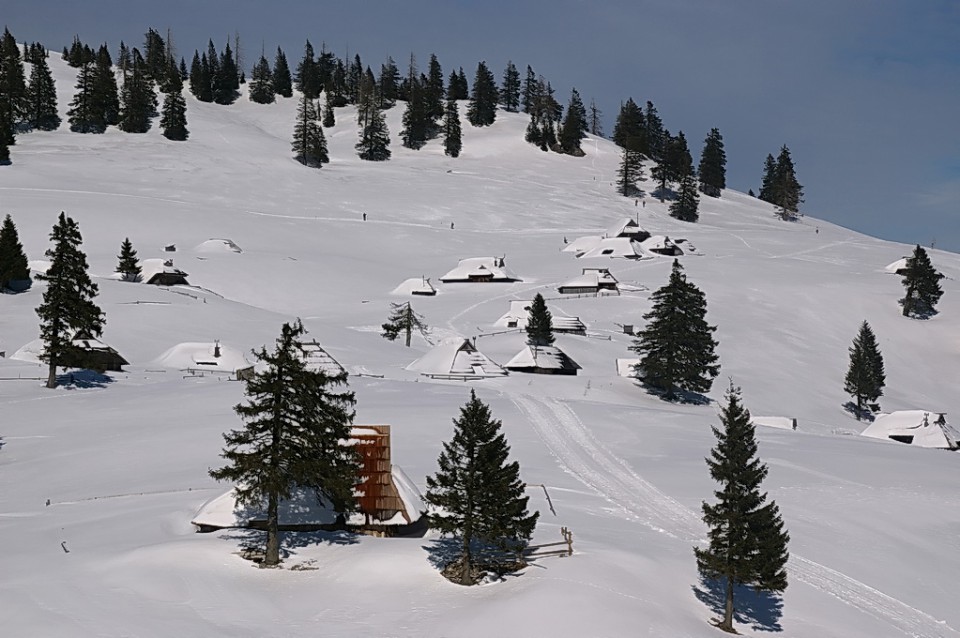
<point>99,480</point>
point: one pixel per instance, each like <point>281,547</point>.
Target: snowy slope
<point>875,526</point>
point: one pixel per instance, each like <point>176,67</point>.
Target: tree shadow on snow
<point>762,611</point>
<point>253,542</point>
<point>663,194</point>
<point>83,379</point>
<point>861,415</point>
<point>679,396</point>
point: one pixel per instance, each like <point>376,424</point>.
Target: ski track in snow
<point>587,459</point>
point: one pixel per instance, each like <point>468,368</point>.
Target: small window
<point>511,324</point>
<point>607,251</point>
<point>902,438</point>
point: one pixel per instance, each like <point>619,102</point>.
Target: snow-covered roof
<point>627,367</point>
<point>615,247</point>
<point>659,242</point>
<point>151,267</point>
<point>898,265</point>
<point>519,314</point>
<point>474,268</point>
<point>415,286</point>
<point>916,427</point>
<point>317,358</point>
<point>218,246</point>
<point>32,351</point>
<point>581,245</point>
<point>625,227</point>
<point>203,356</point>
<point>541,357</point>
<point>781,422</point>
<point>591,278</point>
<point>456,358</point>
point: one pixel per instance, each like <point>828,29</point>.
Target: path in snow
<point>587,459</point>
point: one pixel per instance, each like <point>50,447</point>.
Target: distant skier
<point>364,217</point>
<point>451,225</point>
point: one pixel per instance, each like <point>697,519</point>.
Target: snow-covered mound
<point>203,356</point>
<point>218,246</point>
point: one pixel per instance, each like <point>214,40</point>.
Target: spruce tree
<point>478,492</point>
<point>173,119</point>
<point>4,150</point>
<point>539,323</point>
<point>482,110</point>
<point>136,99</point>
<point>748,544</point>
<point>922,284</point>
<point>42,97</point>
<point>226,78</point>
<point>14,99</point>
<point>686,206</point>
<point>106,95</point>
<point>574,126</point>
<point>452,131</point>
<point>403,320</point>
<point>865,376</point>
<point>154,56</point>
<point>510,89</point>
<point>309,143</point>
<point>282,82</point>
<point>657,136</point>
<point>629,131</point>
<point>528,95</point>
<point>785,191</point>
<point>416,119</point>
<point>713,165</point>
<point>457,86</point>
<point>630,172</point>
<point>329,119</point>
<point>595,119</point>
<point>128,265</point>
<point>84,115</point>
<point>388,84</point>
<point>433,94</point>
<point>676,347</point>
<point>296,424</point>
<point>68,308</point>
<point>14,268</point>
<point>261,88</point>
<point>374,144</point>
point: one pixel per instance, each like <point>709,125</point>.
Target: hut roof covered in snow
<point>622,247</point>
<point>544,359</point>
<point>627,227</point>
<point>899,267</point>
<point>662,245</point>
<point>203,356</point>
<point>90,353</point>
<point>519,314</point>
<point>591,280</point>
<point>457,359</point>
<point>317,358</point>
<point>478,269</point>
<point>162,272</point>
<point>415,286</point>
<point>581,245</point>
<point>922,428</point>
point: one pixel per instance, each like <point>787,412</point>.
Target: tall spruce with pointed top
<point>865,376</point>
<point>42,97</point>
<point>282,82</point>
<point>374,144</point>
<point>478,494</point>
<point>748,544</point>
<point>14,98</point>
<point>14,267</point>
<point>687,204</point>
<point>416,119</point>
<point>784,191</point>
<point>482,110</point>
<point>452,130</point>
<point>309,143</point>
<point>574,127</point>
<point>173,117</point>
<point>136,98</point>
<point>510,89</point>
<point>296,422</point>
<point>261,88</point>
<point>630,172</point>
<point>68,308</point>
<point>713,165</point>
<point>84,114</point>
<point>922,284</point>
<point>629,131</point>
<point>403,320</point>
<point>676,348</point>
<point>128,266</point>
<point>539,323</point>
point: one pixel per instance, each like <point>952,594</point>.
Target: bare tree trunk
<point>272,555</point>
<point>466,578</point>
<point>727,623</point>
<point>52,375</point>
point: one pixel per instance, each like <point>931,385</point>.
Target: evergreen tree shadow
<point>6,162</point>
<point>679,396</point>
<point>664,194</point>
<point>253,542</point>
<point>1,443</point>
<point>761,611</point>
<point>861,415</point>
<point>443,551</point>
<point>83,379</point>
<point>921,314</point>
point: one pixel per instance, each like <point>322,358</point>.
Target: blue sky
<point>866,93</point>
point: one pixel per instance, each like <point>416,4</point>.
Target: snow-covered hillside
<point>98,481</point>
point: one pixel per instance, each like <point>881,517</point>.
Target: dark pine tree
<point>865,376</point>
<point>510,89</point>
<point>539,323</point>
<point>83,115</point>
<point>123,58</point>
<point>478,491</point>
<point>574,126</point>
<point>106,94</point>
<point>128,265</point>
<point>529,93</point>
<point>457,86</point>
<point>329,119</point>
<point>416,119</point>
<point>766,182</point>
<point>713,165</point>
<point>14,98</point>
<point>630,172</point>
<point>786,192</point>
<point>403,320</point>
<point>154,56</point>
<point>296,423</point>
<point>14,268</point>
<point>68,308</point>
<point>374,144</point>
<point>433,94</point>
<point>748,544</point>
<point>629,131</point>
<point>173,118</point>
<point>657,136</point>
<point>595,120</point>
<point>354,79</point>
<point>686,206</point>
<point>196,73</point>
<point>282,82</point>
<point>309,142</point>
<point>226,79</point>
<point>922,284</point>
<point>482,110</point>
<point>676,347</point>
<point>136,99</point>
<point>42,97</point>
<point>452,132</point>
<point>388,84</point>
<point>4,150</point>
<point>261,88</point>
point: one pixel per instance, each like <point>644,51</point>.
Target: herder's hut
<point>456,359</point>
<point>519,314</point>
<point>921,428</point>
<point>628,228</point>
<point>478,270</point>
<point>661,245</point>
<point>161,272</point>
<point>542,360</point>
<point>591,282</point>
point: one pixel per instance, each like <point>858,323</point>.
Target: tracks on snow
<point>589,461</point>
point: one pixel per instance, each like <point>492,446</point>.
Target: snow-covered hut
<point>480,269</point>
<point>519,314</point>
<point>88,353</point>
<point>779,422</point>
<point>629,228</point>
<point>318,359</point>
<point>661,245</point>
<point>456,359</point>
<point>161,272</point>
<point>201,356</point>
<point>581,245</point>
<point>591,281</point>
<point>899,267</point>
<point>627,367</point>
<point>615,247</point>
<point>217,245</point>
<point>415,286</point>
<point>922,428</point>
<point>542,360</point>
<point>389,503</point>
